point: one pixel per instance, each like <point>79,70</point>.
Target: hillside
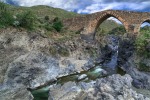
<point>42,11</point>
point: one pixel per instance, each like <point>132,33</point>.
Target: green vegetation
<point>6,18</point>
<point>41,11</point>
<point>141,44</point>
<point>36,17</point>
<point>142,41</point>
<point>26,20</point>
<point>57,24</point>
<point>110,27</point>
<point>118,30</point>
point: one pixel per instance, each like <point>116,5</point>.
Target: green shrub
<point>26,20</point>
<point>48,27</point>
<point>57,24</point>
<point>6,18</point>
<point>46,18</point>
<point>141,42</point>
<point>118,30</point>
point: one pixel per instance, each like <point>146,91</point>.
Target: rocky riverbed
<point>34,67</point>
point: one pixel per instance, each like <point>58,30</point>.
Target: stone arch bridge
<point>88,24</point>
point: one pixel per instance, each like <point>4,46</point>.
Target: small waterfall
<point>111,64</point>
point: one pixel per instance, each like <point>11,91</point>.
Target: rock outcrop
<point>114,87</point>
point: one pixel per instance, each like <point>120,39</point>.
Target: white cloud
<point>64,4</point>
<point>114,19</point>
<point>116,5</point>
<point>88,6</point>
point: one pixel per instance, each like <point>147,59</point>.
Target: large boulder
<point>69,91</point>
<point>33,69</point>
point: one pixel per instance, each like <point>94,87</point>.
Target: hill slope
<point>42,11</point>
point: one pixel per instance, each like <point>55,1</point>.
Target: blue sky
<point>88,6</point>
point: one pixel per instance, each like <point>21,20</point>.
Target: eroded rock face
<point>33,69</point>
<point>18,44</point>
<point>129,61</point>
<point>12,92</point>
<point>26,59</point>
<point>15,43</point>
<point>140,79</point>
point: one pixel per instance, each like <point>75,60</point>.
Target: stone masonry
<point>88,24</point>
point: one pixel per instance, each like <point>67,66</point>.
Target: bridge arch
<point>100,19</point>
<point>107,15</point>
<point>145,20</point>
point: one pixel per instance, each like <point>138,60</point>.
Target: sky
<point>87,6</point>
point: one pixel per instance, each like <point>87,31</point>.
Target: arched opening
<point>145,26</point>
<point>110,24</point>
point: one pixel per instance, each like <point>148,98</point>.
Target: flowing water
<point>96,72</point>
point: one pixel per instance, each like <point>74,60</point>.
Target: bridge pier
<point>133,29</point>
